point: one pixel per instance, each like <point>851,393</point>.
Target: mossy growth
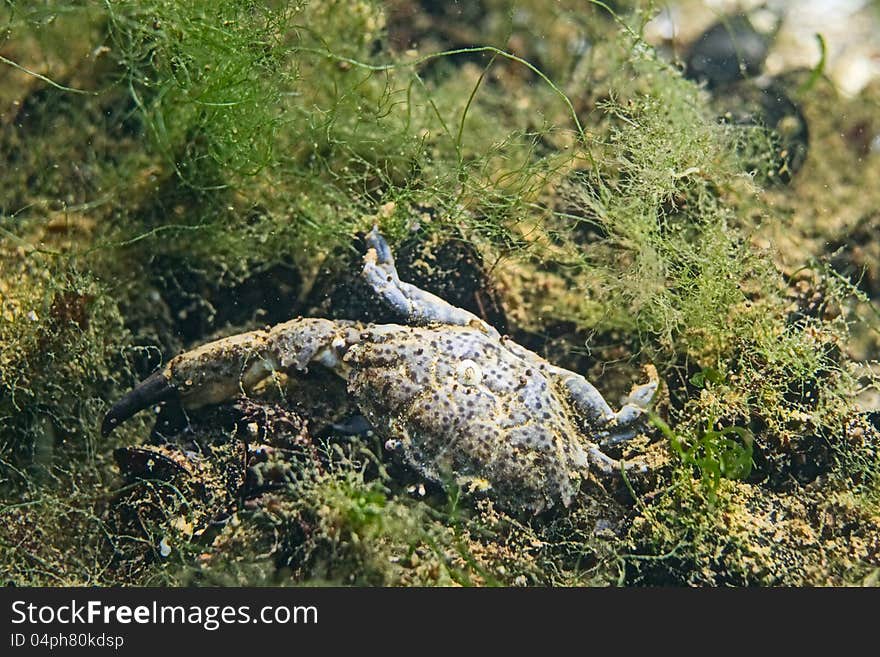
<point>170,155</point>
<point>57,359</point>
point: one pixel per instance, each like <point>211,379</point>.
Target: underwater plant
<point>179,171</point>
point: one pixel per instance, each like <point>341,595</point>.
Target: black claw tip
<point>155,388</point>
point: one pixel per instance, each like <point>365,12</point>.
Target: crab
<point>450,396</point>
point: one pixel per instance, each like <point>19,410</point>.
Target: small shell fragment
<point>468,373</point>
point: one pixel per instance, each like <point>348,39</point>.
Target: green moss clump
<point>208,80</point>
<point>748,536</point>
<point>58,332</point>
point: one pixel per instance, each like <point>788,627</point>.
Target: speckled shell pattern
<point>459,404</point>
<point>501,418</point>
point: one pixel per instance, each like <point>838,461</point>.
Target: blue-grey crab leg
<point>610,466</point>
<point>612,427</point>
<point>220,370</point>
<point>415,305</point>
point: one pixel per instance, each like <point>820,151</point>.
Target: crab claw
<point>151,390</point>
<point>219,371</point>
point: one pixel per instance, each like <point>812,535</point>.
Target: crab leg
<point>614,427</point>
<point>222,369</point>
<point>415,305</point>
<point>609,466</point>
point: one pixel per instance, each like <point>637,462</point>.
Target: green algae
<point>213,143</point>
